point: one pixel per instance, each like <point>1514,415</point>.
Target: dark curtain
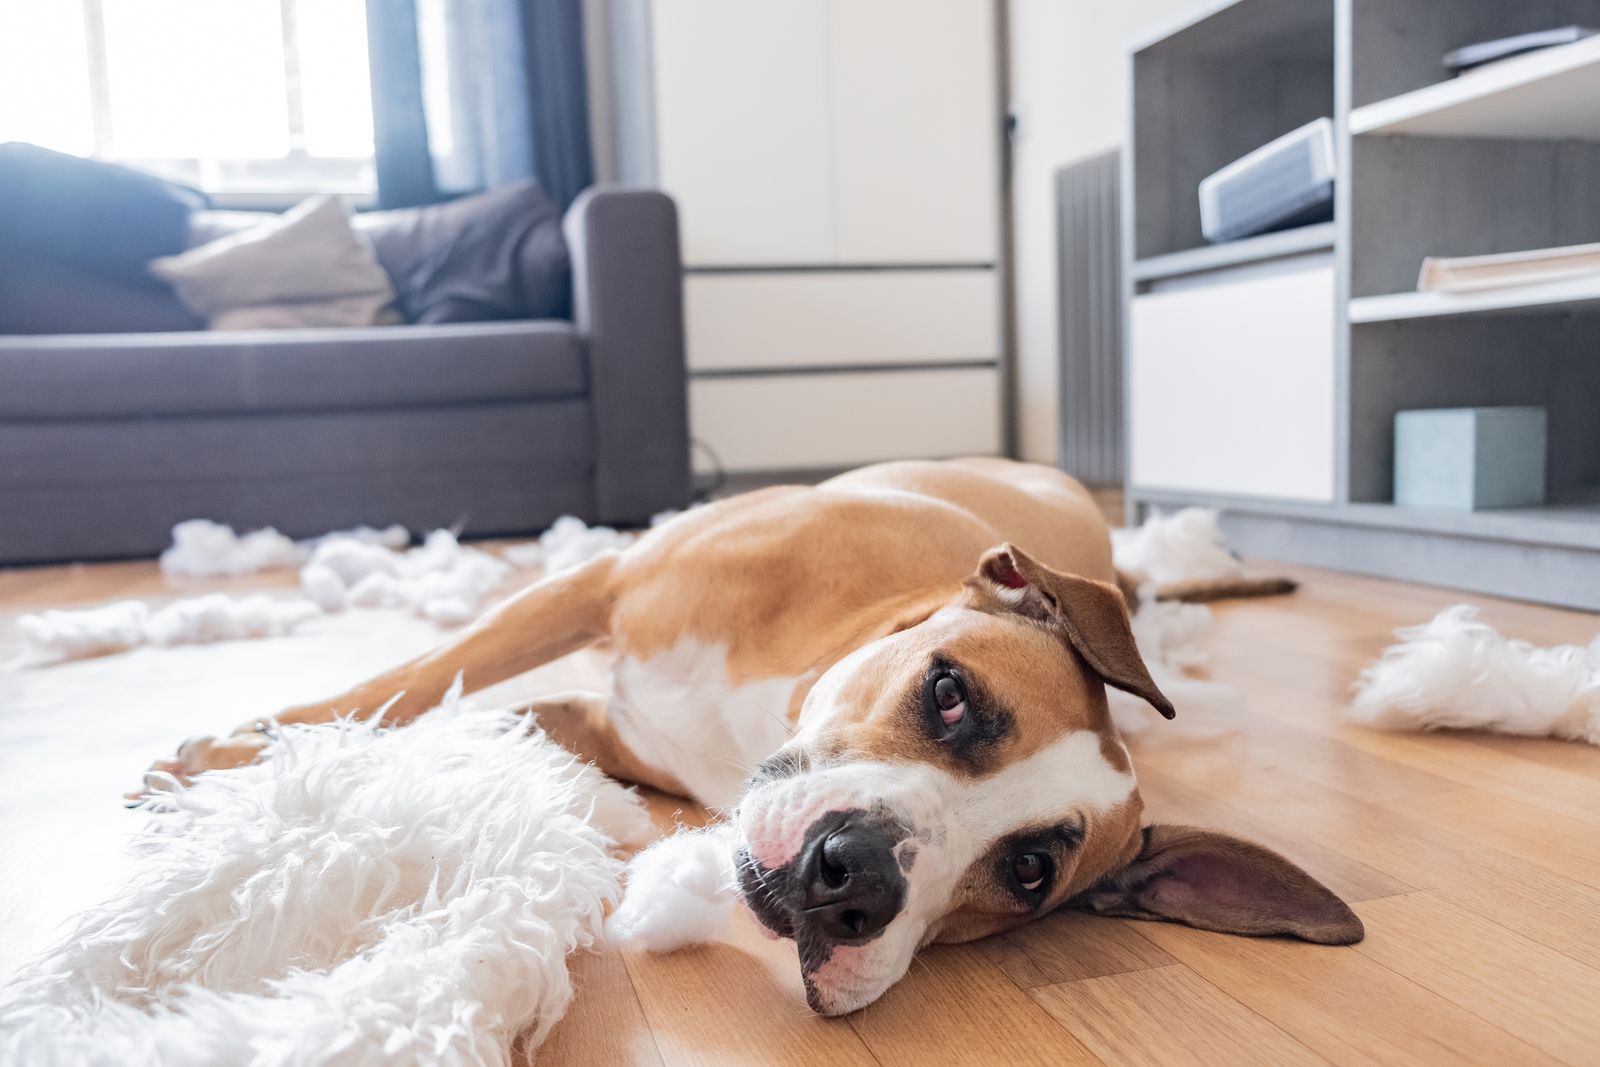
<point>399,126</point>
<point>470,94</point>
<point>558,87</point>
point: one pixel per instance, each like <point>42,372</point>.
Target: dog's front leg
<point>547,620</point>
<point>581,723</point>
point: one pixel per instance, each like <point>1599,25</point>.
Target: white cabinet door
<point>742,133</point>
<point>916,130</point>
<point>1232,387</point>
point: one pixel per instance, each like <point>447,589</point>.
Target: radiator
<point>1088,249</point>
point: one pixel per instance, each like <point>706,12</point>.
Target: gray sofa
<point>107,440</point>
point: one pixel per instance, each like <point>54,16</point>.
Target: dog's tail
<point>1204,590</point>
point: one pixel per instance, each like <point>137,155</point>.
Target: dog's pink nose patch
<point>777,834</point>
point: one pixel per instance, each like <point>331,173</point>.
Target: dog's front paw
<point>680,892</point>
<point>195,756</point>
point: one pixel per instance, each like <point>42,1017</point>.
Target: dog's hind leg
<point>547,620</point>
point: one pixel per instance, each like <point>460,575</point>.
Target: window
<point>263,100</point>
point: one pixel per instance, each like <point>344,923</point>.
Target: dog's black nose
<point>851,885</point>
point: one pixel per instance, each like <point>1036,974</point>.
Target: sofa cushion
<point>95,216</point>
<point>133,375</point>
<point>39,296</point>
<point>306,267</point>
<point>494,256</point>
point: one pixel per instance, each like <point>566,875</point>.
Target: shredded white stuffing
<point>442,580</point>
<point>568,542</point>
<point>362,896</point>
<point>1172,633</point>
<point>54,636</point>
<point>1185,546</point>
<point>205,549</point>
<point>1458,672</point>
<point>1173,637</point>
<point>681,891</point>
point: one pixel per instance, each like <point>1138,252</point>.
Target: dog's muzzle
<point>842,887</point>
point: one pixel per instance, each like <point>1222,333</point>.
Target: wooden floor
<point>1474,862</point>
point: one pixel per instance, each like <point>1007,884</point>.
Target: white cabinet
<point>742,134</point>
<point>1232,387</point>
<point>836,169</point>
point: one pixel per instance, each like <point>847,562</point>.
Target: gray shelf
<point>1432,168</point>
<point>1236,253</point>
<point>1573,524</point>
<point>1549,554</point>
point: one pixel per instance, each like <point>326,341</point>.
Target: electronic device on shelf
<point>1476,55</point>
<point>1280,185</point>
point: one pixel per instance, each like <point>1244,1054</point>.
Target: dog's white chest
<point>679,712</point>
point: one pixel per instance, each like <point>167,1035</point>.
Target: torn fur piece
<point>1458,672</point>
<point>362,896</point>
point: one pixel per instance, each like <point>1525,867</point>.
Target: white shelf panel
<point>1580,292</point>
<point>1548,95</point>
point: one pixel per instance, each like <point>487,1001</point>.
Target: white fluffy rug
<point>364,896</point>
<point>1458,672</point>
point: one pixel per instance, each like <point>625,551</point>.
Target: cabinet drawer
<point>824,318</point>
<point>794,422</point>
<point>1231,387</point>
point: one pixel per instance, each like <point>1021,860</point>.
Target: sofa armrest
<point>627,289</point>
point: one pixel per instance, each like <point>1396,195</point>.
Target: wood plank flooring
<point>1474,861</point>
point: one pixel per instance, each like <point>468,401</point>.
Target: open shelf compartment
<point>1232,81</point>
<point>1549,94</point>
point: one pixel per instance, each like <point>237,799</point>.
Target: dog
<point>894,685</point>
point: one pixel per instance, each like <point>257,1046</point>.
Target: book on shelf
<point>1461,274</point>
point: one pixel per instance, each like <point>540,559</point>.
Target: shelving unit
<point>1293,351</point>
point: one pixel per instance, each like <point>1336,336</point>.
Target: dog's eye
<point>1031,870</point>
<point>950,697</point>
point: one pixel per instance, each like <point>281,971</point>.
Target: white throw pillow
<point>308,267</point>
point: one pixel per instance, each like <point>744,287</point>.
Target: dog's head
<point>962,776</point>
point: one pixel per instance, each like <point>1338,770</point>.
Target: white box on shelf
<point>1470,459</point>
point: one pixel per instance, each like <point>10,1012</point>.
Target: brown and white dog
<point>894,684</point>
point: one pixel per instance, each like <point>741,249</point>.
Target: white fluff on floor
<point>569,542</point>
<point>441,580</point>
<point>1185,546</point>
<point>1172,637</point>
<point>205,549</point>
<point>361,897</point>
<point>1458,672</point>
<point>681,891</point>
<point>54,636</point>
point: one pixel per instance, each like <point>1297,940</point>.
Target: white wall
<point>1068,92</point>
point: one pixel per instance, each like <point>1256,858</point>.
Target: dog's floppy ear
<point>1216,882</point>
<point>1091,615</point>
